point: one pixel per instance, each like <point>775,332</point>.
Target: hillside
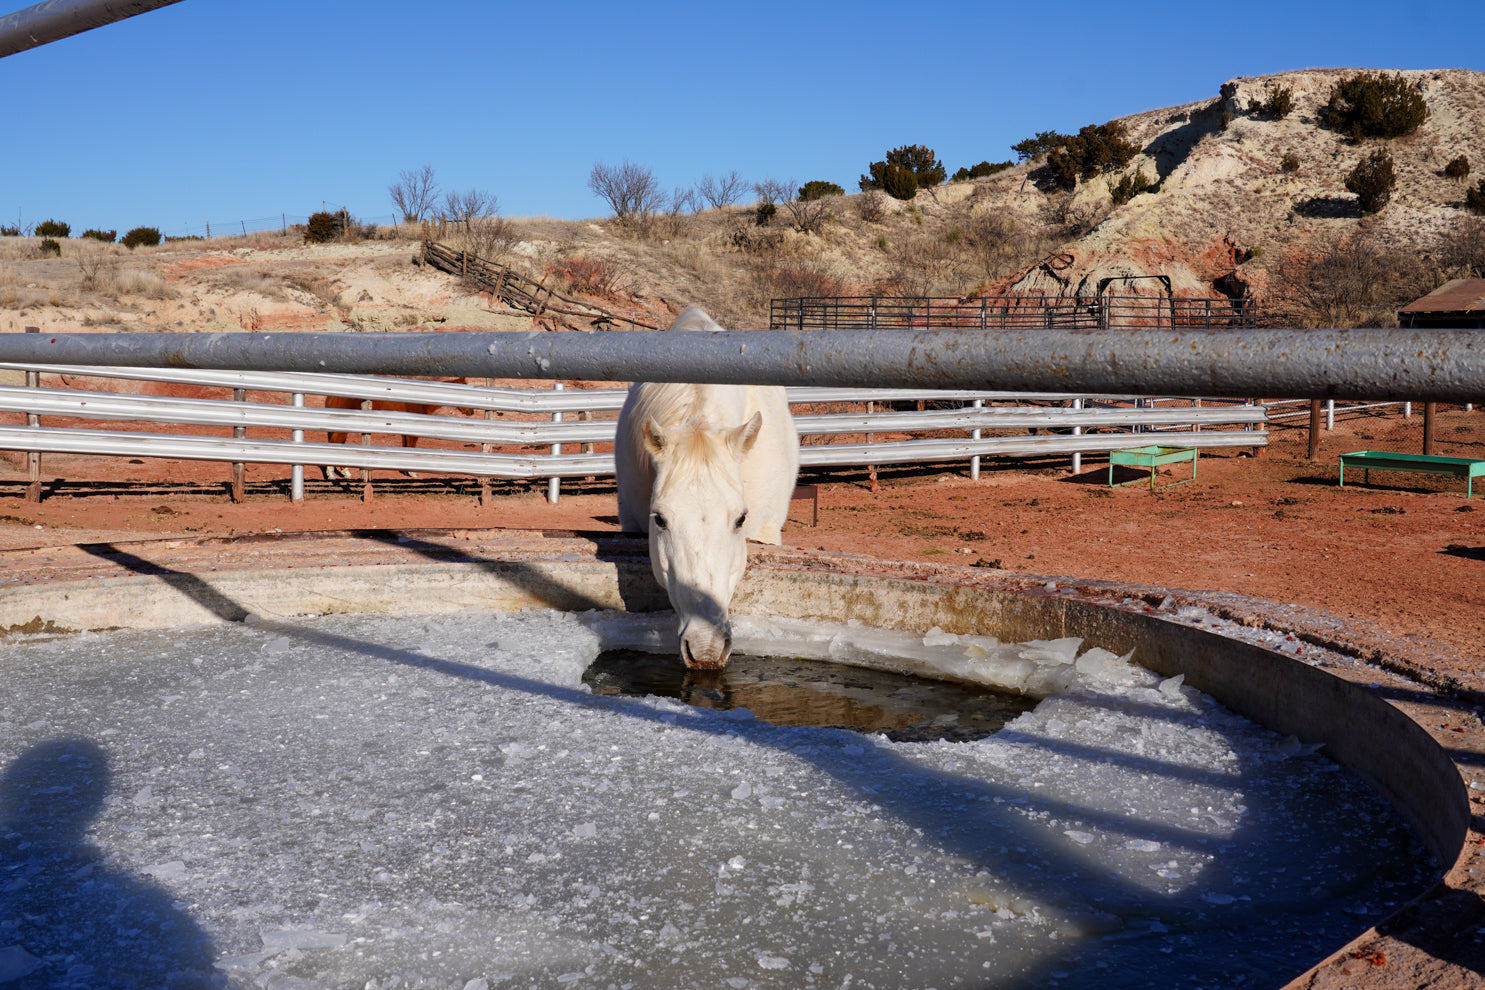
<point>1222,216</point>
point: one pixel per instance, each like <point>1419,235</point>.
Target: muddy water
<point>814,693</point>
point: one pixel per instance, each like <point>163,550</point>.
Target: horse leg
<point>333,473</point>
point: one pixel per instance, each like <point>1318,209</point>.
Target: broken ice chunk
<point>1057,650</point>
<point>937,637</point>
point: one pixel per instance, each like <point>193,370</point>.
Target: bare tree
<point>682,202</point>
<point>773,192</point>
<point>472,204</point>
<point>1355,281</point>
<point>630,190</point>
<point>808,215</point>
<point>414,193</point>
<point>721,192</point>
<point>1461,249</point>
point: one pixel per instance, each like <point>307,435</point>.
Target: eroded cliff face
<point>1223,215</point>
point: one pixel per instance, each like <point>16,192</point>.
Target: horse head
<point>698,525</point>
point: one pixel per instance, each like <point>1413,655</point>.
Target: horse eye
<point>659,521</point>
<point>740,520</point>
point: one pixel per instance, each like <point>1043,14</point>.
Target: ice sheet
<point>378,801</point>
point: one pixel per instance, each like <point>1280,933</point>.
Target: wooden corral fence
<point>562,433</point>
<point>1029,312</point>
<point>518,291</point>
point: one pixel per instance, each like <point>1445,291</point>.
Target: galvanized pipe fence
<point>1363,364</point>
<point>894,436</point>
<point>1021,312</point>
<point>1429,365</point>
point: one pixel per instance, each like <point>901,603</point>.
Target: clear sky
<point>243,110</point>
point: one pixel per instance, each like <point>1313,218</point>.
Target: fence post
<point>1314,452</point>
<point>974,462</point>
<point>1407,410</point>
<point>33,459</point>
<point>296,472</point>
<point>1329,415</point>
<point>554,484</point>
<point>1077,458</point>
<point>1429,409</point>
<point>239,468</point>
<point>485,496</point>
<point>366,493</point>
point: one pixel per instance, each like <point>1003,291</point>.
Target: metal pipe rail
<point>1370,364</point>
<point>216,412</point>
<point>132,444</point>
<point>381,388</point>
<point>194,448</point>
<point>54,20</point>
<point>378,389</point>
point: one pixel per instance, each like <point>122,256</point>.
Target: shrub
<point>53,228</point>
<point>1096,148</point>
<point>10,231</point>
<point>1129,186</point>
<point>1289,163</point>
<point>1044,142</point>
<point>764,213</point>
<point>1374,104</point>
<point>1372,181</point>
<point>49,246</point>
<point>1278,104</point>
<point>918,159</point>
<point>981,171</point>
<point>1474,198</point>
<point>899,182</point>
<point>106,236</point>
<point>872,206</point>
<point>323,226</point>
<point>141,237</point>
<point>1457,168</point>
<point>590,276</point>
<point>819,189</point>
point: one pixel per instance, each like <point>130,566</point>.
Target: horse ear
<point>654,439</point>
<point>743,437</point>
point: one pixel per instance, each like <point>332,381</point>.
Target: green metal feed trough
<point>1388,460</point>
<point>1152,458</point>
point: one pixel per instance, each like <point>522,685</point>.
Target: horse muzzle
<point>705,645</point>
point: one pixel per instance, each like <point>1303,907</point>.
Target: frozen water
<point>378,801</point>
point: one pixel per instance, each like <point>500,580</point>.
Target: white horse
<point>703,469</point>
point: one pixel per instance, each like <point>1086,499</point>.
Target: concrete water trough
<point>1297,674</point>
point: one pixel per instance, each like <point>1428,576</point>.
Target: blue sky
<point>233,110</point>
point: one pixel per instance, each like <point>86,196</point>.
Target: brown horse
<point>408,441</point>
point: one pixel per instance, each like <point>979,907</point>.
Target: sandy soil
<point>1404,557</point>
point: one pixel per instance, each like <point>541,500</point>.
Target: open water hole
<point>441,801</point>
<point>797,692</point>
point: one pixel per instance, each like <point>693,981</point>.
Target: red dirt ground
<point>1406,555</point>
